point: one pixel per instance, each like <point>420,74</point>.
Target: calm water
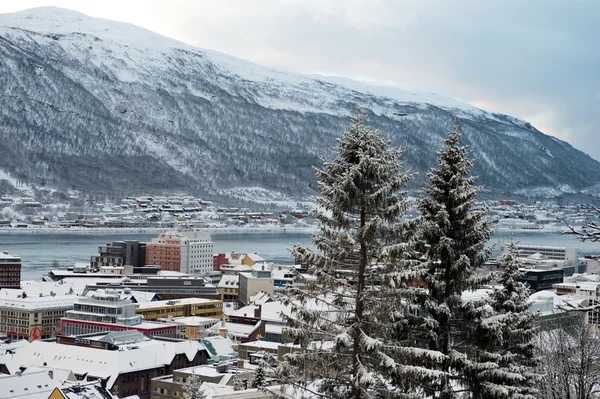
<point>40,253</point>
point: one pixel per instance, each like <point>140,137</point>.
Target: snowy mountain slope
<point>104,105</point>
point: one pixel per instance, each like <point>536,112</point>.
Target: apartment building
<point>256,281</point>
<point>34,318</point>
<point>555,253</point>
<point>186,252</point>
<point>10,270</point>
<point>180,308</point>
<point>120,253</point>
<point>110,310</point>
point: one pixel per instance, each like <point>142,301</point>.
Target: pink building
<point>165,251</point>
<point>187,252</point>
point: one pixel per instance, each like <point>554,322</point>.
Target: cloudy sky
<point>537,59</point>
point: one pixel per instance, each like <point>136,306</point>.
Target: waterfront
<point>41,252</point>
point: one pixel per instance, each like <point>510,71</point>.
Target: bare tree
<point>588,232</point>
<point>570,355</point>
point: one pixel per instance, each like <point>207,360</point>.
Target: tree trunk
<point>356,391</point>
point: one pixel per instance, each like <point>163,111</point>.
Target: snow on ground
<point>25,188</point>
<point>264,196</point>
<point>112,40</point>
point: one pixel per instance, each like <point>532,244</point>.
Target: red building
<point>218,260</point>
<point>10,271</point>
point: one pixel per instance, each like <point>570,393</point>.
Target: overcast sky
<point>537,59</point>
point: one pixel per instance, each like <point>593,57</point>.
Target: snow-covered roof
<point>196,321</point>
<point>476,295</point>
<point>35,288</point>
<point>87,390</point>
<point>255,257</point>
<point>236,329</point>
<point>576,277</point>
<point>246,311</point>
<point>236,268</point>
<point>7,256</point>
<point>219,346</point>
<point>34,384</point>
<point>101,363</point>
<point>142,296</point>
<point>258,345</point>
<point>537,256</point>
<point>12,346</point>
<point>173,302</point>
<point>271,311</point>
<point>229,281</point>
<point>60,302</point>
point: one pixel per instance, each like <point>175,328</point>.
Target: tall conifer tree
<point>506,338</point>
<point>455,232</point>
<point>346,334</point>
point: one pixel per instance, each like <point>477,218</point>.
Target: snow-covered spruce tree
<point>260,377</point>
<point>237,384</point>
<point>506,339</point>
<point>344,326</point>
<point>455,232</point>
<point>193,388</point>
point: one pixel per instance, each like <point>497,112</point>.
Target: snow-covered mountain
<point>107,106</point>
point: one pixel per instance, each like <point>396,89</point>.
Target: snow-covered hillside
<point>107,106</point>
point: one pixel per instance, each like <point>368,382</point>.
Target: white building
<point>105,306</point>
<point>196,252</point>
<point>568,254</point>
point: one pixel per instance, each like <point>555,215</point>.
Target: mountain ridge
<point>108,106</point>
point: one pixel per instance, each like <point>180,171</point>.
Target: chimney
<point>223,332</point>
<point>240,363</point>
<point>51,373</point>
<point>257,311</point>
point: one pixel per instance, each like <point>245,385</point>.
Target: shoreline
<point>152,230</point>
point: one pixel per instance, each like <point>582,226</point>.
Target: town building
<point>568,254</point>
<point>85,390</point>
<point>10,270</point>
<point>110,310</point>
<point>256,281</point>
<point>187,252</point>
<point>120,253</point>
<point>191,327</point>
<point>180,308</point>
<point>218,260</point>
<point>228,287</point>
<point>222,373</point>
<point>166,286</point>
<point>125,360</point>
<point>34,317</point>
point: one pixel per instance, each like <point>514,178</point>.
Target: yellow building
<point>252,259</point>
<point>180,308</point>
<point>34,318</point>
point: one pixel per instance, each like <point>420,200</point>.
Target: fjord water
<point>41,252</point>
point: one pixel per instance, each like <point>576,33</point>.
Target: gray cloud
<point>536,59</point>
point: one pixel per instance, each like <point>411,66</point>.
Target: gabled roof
<point>101,363</point>
<point>34,384</point>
